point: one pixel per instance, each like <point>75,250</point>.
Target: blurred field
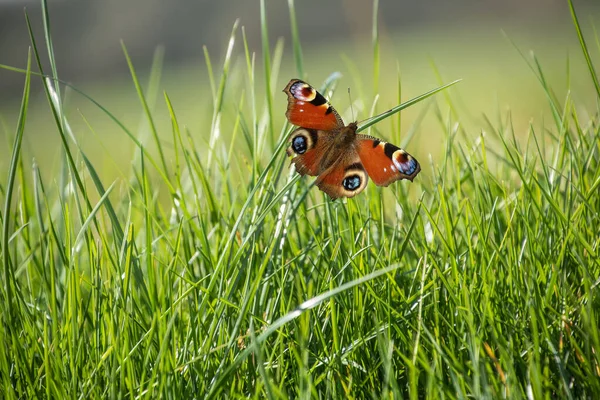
<point>495,79</point>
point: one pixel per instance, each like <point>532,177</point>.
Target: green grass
<point>208,268</point>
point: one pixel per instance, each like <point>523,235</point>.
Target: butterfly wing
<point>309,109</point>
<point>346,178</point>
<point>384,162</point>
<point>308,147</point>
<point>339,170</point>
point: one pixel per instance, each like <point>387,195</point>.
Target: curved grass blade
<point>91,216</point>
<point>12,175</point>
<point>371,121</point>
<point>267,69</point>
<point>305,306</point>
<point>584,48</point>
<point>146,107</point>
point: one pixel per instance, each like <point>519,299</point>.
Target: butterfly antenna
<point>351,107</point>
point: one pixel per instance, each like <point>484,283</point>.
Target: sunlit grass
<point>202,266</point>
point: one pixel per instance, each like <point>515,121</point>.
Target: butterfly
<point>342,160</point>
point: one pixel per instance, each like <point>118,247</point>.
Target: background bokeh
<point>468,39</point>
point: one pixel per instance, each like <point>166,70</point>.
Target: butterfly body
<point>342,159</point>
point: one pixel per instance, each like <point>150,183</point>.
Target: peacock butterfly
<point>342,160</point>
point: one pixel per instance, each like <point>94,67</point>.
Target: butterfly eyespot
<point>351,183</point>
<point>299,145</point>
<point>302,91</point>
<point>404,163</point>
<point>307,91</point>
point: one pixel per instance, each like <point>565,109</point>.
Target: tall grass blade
<point>296,44</point>
<point>10,283</point>
<point>373,120</point>
<point>584,48</point>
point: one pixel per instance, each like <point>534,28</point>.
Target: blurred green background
<point>466,39</point>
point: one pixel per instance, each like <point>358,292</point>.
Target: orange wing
<point>309,109</point>
<point>345,178</point>
<point>307,147</point>
<point>384,162</point>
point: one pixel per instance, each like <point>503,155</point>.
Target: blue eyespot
<point>299,145</point>
<point>351,183</point>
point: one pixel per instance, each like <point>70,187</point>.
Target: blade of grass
<point>376,50</point>
<point>584,48</point>
<point>302,308</point>
<point>371,121</point>
<point>296,45</point>
<point>267,71</point>
<point>215,129</point>
<point>147,112</point>
<point>9,277</point>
